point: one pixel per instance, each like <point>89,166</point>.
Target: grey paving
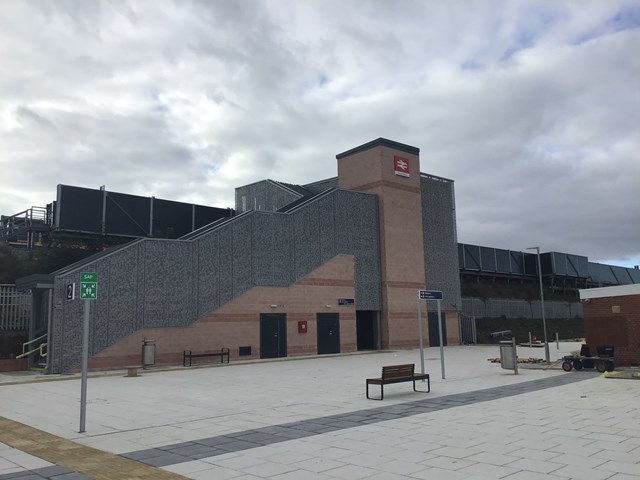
<point>46,473</point>
<point>309,419</point>
<point>237,442</point>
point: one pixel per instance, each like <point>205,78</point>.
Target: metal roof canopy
<point>32,282</point>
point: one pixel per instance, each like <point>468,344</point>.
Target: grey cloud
<point>186,100</point>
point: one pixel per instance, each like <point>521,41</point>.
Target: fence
<point>512,308</point>
<point>15,308</point>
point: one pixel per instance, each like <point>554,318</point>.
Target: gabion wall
<point>440,240</point>
<point>172,283</point>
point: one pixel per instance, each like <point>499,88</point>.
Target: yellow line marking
<point>89,461</point>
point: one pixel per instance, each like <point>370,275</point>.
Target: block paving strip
<point>71,460</point>
<point>244,440</point>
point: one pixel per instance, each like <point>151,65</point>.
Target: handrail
<point>39,348</point>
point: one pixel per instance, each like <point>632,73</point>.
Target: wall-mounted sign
<point>346,301</point>
<point>71,291</point>
<point>401,166</point>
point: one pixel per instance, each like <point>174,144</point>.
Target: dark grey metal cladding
<point>440,239</point>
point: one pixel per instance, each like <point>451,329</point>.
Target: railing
<point>41,348</point>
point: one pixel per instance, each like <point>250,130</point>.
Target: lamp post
<point>544,321</point>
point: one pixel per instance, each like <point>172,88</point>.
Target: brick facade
<point>614,321</point>
<point>370,169</point>
<point>237,323</point>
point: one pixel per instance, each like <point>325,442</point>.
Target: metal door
<point>328,333</point>
<point>273,335</point>
<point>434,339</point>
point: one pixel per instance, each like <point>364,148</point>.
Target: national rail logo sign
<point>401,166</point>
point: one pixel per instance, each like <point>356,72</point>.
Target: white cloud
<point>531,107</point>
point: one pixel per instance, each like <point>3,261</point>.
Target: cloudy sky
<point>532,107</point>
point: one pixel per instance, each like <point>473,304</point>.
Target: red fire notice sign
<point>401,166</point>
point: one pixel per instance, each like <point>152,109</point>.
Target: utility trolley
<point>602,362</point>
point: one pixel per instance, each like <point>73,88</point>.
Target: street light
<point>544,321</point>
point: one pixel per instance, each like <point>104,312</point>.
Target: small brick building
<point>612,318</point>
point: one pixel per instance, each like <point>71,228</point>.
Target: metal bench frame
<point>188,354</point>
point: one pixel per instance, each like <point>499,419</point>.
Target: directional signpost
<point>430,295</point>
<point>88,292</point>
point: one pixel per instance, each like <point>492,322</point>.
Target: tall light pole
<point>544,321</point>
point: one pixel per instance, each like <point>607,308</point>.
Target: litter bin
<point>508,355</point>
<point>148,353</point>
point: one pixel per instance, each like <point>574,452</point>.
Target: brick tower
<point>391,170</point>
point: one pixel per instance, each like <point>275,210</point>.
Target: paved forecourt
<point>309,418</point>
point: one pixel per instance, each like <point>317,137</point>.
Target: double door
<point>273,335</point>
<point>328,326</point>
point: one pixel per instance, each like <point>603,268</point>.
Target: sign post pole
<point>441,343</point>
<point>420,333</point>
<point>88,292</point>
<point>431,295</point>
<point>85,364</point>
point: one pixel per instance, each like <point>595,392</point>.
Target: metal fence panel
<point>15,308</point>
<point>514,308</point>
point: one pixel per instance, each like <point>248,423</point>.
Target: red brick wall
<point>237,323</point>
<point>13,365</point>
<point>401,236</point>
<point>614,321</point>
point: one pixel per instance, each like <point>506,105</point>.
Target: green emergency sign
<point>88,285</point>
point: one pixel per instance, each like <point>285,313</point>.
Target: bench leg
<point>422,391</point>
<point>381,392</point>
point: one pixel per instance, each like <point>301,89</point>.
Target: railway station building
<point>328,267</point>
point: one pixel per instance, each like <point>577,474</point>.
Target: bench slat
<point>397,374</point>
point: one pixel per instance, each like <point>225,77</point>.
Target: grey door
<point>273,335</point>
<point>328,333</point>
<point>434,338</point>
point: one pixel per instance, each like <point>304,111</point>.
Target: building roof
<point>380,142</point>
<point>604,292</point>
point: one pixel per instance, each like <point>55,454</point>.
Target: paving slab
<point>298,419</point>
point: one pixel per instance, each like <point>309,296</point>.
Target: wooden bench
<point>398,374</point>
<point>188,354</point>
